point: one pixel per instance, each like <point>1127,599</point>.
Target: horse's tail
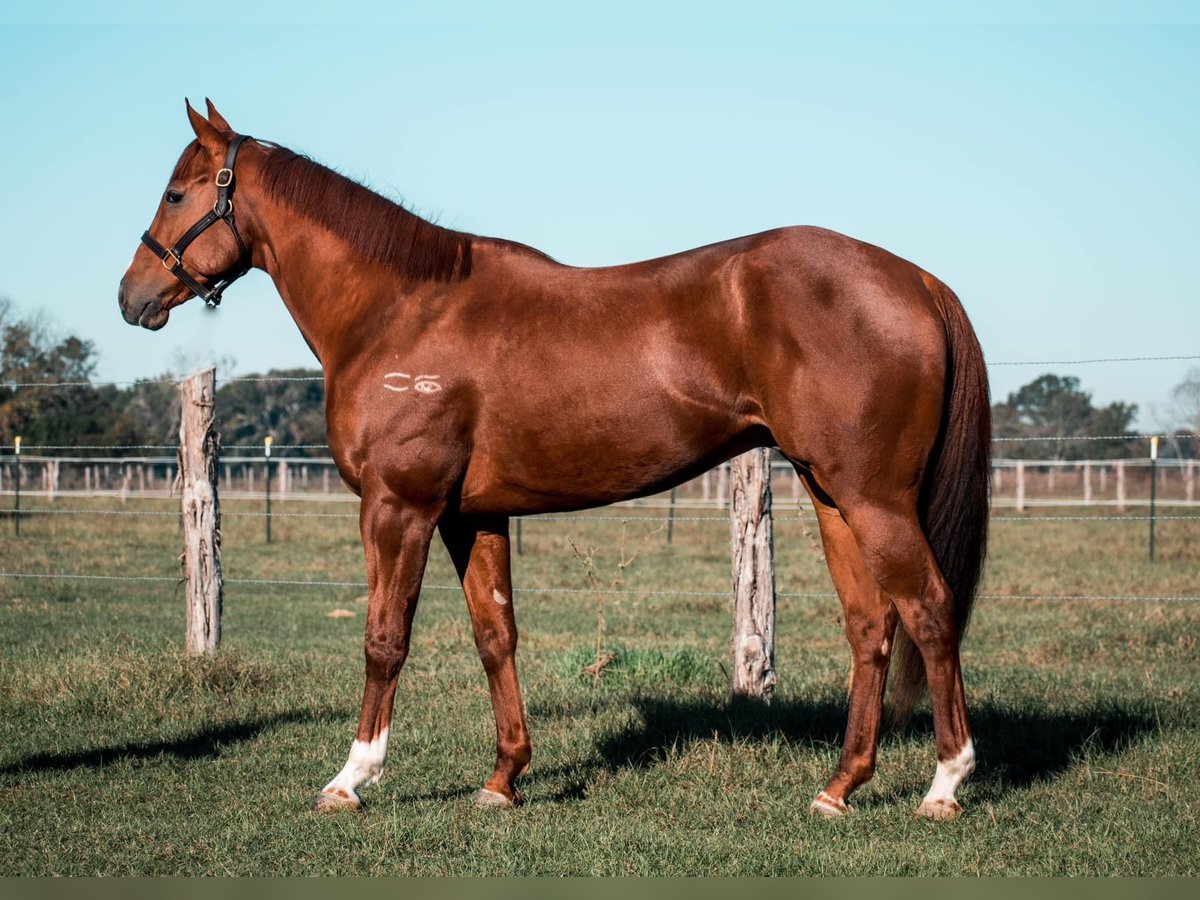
<point>955,494</point>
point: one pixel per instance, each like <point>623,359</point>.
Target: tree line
<point>1053,414</point>
<point>82,412</point>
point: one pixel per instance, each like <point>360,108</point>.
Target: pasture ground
<point>118,756</point>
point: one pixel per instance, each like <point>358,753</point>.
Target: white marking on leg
<point>364,766</point>
<point>500,599</point>
<point>950,776</point>
<point>829,806</point>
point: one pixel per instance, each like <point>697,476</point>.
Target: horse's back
<point>598,384</point>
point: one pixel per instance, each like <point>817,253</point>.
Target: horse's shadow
<point>205,744</point>
<point>1015,748</point>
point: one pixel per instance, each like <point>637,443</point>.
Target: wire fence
<point>136,473</point>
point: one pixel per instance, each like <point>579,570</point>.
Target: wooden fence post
<point>1087,482</point>
<point>1020,485</point>
<point>1120,466</point>
<point>199,450</point>
<point>753,575</point>
<point>1189,483</point>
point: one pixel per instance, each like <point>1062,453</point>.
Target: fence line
<point>285,464</point>
<point>566,516</point>
<point>643,592</point>
<point>267,379</point>
<point>1162,435</point>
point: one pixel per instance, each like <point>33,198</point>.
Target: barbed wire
<point>266,379</point>
<point>1084,362</point>
<point>561,517</point>
<point>639,592</point>
<point>1088,437</point>
<point>325,460</point>
<point>252,379</point>
<point>257,447</point>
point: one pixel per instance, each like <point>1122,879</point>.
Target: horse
<point>471,379</point>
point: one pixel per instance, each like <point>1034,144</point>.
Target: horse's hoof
<point>333,801</point>
<point>830,807</point>
<point>942,809</point>
<point>488,797</point>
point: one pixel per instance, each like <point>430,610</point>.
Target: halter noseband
<point>222,210</point>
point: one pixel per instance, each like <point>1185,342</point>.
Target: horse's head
<point>194,216</point>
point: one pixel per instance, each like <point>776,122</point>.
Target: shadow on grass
<point>205,744</point>
<point>1015,747</point>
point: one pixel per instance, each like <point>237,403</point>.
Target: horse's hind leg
<point>870,621</point>
<point>480,550</point>
<point>396,540</point>
<point>896,553</point>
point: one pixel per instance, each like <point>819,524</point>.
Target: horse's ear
<point>215,117</point>
<point>208,136</point>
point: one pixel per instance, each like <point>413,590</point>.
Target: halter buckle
<point>224,178</point>
<point>170,255</point>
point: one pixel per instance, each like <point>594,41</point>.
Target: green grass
<point>119,756</point>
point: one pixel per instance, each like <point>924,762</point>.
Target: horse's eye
<point>174,196</point>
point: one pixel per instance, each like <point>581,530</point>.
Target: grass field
<point>119,756</point>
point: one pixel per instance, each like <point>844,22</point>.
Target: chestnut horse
<point>469,379</point>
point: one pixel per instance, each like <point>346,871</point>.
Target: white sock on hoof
<point>950,776</point>
<point>364,766</point>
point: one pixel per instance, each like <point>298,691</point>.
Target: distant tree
<point>1054,408</point>
<point>32,354</point>
<point>1184,442</point>
<point>147,413</point>
<point>288,405</point>
<point>292,412</point>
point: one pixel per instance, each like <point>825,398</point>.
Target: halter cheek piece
<point>172,259</point>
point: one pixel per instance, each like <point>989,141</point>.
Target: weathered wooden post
<point>753,575</point>
<point>1120,467</point>
<point>722,484</point>
<point>199,449</point>
<point>1020,485</point>
<point>1087,482</point>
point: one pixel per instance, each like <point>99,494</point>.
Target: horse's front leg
<point>480,550</point>
<point>396,540</point>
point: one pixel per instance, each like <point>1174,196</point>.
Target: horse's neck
<point>322,281</point>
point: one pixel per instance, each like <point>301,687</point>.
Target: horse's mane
<point>378,228</point>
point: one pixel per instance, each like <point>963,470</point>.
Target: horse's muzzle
<point>150,314</point>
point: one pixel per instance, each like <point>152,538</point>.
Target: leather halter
<point>222,210</point>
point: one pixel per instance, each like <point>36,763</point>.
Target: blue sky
<point>1047,171</point>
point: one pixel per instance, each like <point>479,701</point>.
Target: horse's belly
<point>581,457</point>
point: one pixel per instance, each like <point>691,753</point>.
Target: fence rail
<point>248,474</point>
